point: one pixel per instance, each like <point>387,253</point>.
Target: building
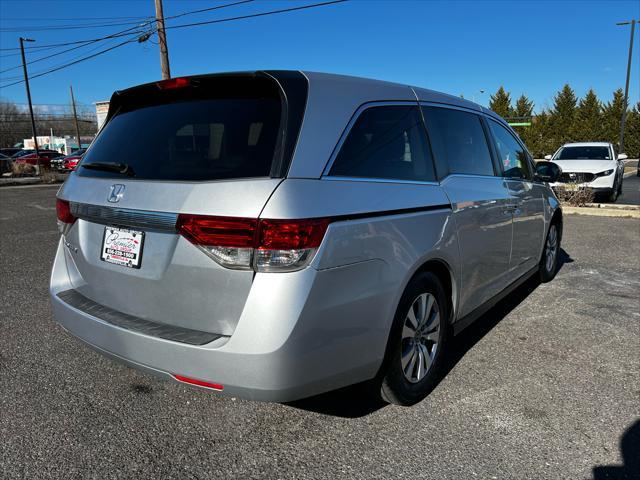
<point>102,108</point>
<point>65,145</point>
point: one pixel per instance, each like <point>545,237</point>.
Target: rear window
<point>584,153</point>
<point>191,138</point>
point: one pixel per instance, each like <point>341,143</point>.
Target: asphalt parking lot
<point>630,191</point>
<point>545,386</point>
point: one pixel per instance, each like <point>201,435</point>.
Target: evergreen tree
<point>611,116</point>
<point>632,133</point>
<point>524,107</point>
<point>500,103</point>
<point>588,125</point>
<point>524,111</point>
<point>541,142</point>
<point>563,115</point>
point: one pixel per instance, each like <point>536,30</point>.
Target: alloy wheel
<point>420,336</point>
<point>551,250</point>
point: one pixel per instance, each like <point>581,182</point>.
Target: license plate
<point>122,246</point>
<point>572,187</point>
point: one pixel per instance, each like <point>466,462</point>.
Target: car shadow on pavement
<point>629,448</point>
<point>363,398</point>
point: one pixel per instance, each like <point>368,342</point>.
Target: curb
<point>602,212</point>
<point>9,181</point>
<point>614,206</point>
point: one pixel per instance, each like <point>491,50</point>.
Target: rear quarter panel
<point>399,225</point>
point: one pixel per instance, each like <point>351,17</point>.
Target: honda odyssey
<point>278,234</point>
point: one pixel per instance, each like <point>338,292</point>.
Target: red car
<point>71,162</point>
<point>44,159</point>
<point>68,163</point>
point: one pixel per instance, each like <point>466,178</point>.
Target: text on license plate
<point>122,247</point>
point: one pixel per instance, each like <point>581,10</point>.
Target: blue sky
<point>531,47</point>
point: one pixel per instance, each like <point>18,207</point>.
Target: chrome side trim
<point>124,216</point>
<point>78,301</point>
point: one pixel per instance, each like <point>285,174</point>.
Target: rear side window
<point>458,141</point>
<point>386,142</point>
<point>513,156</point>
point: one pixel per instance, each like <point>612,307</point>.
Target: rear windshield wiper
<point>121,168</point>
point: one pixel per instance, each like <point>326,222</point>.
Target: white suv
<point>591,165</point>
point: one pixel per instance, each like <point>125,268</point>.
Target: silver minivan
<point>278,234</point>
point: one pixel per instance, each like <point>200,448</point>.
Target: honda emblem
<point>116,193</point>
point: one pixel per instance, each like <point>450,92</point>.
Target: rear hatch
<point>213,145</point>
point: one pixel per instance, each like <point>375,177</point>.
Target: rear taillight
<point>287,245</point>
<point>65,217</point>
<point>228,240</point>
<point>245,243</point>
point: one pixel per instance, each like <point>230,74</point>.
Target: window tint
<point>584,153</point>
<point>512,155</point>
<point>458,141</point>
<point>386,142</point>
<point>192,140</point>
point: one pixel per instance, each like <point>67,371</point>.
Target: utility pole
<point>75,117</point>
<point>162,41</point>
<point>26,82</point>
<point>626,88</point>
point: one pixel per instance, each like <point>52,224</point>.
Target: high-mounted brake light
<point>173,83</point>
<point>199,383</point>
<point>245,243</point>
<point>65,217</point>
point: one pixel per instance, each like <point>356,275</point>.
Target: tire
<point>549,261</point>
<point>423,347</point>
<point>613,196</point>
<point>620,186</point>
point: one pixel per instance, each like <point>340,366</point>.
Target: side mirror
<point>548,172</point>
<point>622,156</point>
<point>547,157</point>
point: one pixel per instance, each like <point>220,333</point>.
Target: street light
<point>26,82</point>
<point>626,88</point>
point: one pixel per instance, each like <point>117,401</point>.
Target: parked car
<point>43,158</point>
<point>22,152</point>
<point>275,235</point>
<point>5,163</point>
<point>68,162</point>
<point>8,152</point>
<point>592,165</point>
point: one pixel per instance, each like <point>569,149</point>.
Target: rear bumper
<point>300,334</point>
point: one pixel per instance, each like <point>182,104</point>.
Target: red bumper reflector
<point>199,383</point>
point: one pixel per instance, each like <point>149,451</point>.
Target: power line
<point>83,43</point>
<point>254,15</point>
<point>76,42</point>
<point>21,19</point>
<point>39,28</point>
<point>119,34</point>
<point>56,54</point>
<point>70,63</point>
